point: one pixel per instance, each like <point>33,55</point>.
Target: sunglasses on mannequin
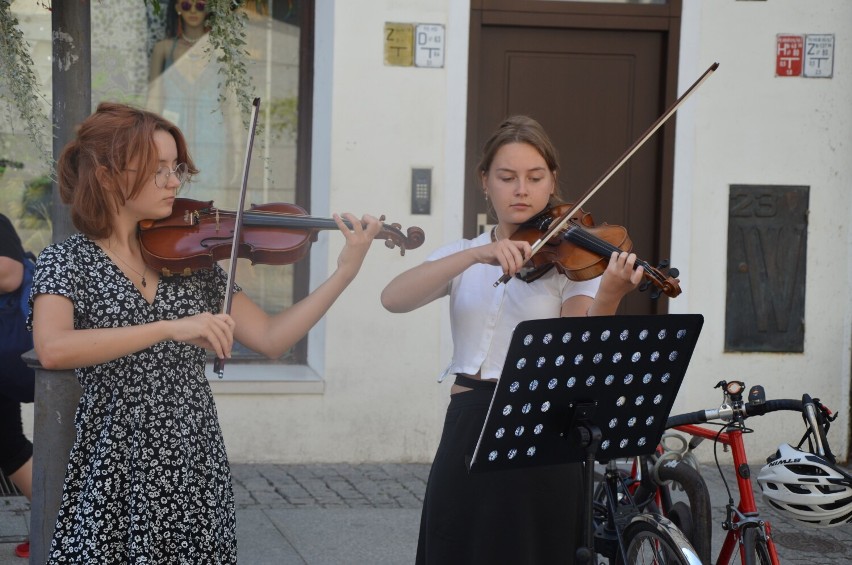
<point>199,6</point>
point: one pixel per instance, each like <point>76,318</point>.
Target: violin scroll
<point>393,236</point>
<point>663,278</point>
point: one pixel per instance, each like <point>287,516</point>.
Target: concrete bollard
<point>57,394</point>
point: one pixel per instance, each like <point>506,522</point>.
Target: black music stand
<point>584,390</point>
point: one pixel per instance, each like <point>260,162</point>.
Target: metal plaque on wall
<point>767,252</point>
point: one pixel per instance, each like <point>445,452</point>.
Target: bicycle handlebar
<point>726,412</point>
<point>815,414</point>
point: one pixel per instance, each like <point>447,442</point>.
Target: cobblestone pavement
<point>387,485</point>
<point>271,499</point>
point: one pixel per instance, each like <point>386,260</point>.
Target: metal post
<point>57,394</point>
<point>72,89</point>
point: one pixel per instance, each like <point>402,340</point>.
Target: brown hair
<point>521,129</point>
<point>91,167</point>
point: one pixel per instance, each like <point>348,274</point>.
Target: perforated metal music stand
<point>585,389</point>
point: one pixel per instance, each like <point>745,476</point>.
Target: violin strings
<point>207,213</point>
<point>275,219</point>
<point>601,247</point>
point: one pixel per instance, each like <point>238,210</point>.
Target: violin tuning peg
<point>663,264</point>
<point>655,294</point>
<point>674,272</point>
<point>644,286</point>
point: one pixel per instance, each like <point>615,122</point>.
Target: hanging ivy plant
<point>19,85</point>
<point>228,40</point>
<point>21,94</point>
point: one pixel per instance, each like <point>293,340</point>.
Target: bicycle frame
<point>746,511</point>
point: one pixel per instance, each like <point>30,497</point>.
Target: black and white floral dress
<point>148,480</point>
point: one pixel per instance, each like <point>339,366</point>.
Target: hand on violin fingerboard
<point>620,277</point>
<point>358,240</point>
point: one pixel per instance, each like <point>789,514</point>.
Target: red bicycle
<point>804,485</point>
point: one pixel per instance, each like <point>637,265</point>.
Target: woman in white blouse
<point>519,516</point>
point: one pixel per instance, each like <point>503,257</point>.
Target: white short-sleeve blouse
<point>482,317</point>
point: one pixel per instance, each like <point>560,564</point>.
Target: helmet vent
<point>836,505</point>
<point>843,519</point>
<point>830,489</point>
<point>807,470</point>
<point>775,504</point>
<point>797,489</point>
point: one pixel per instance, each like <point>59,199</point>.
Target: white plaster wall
<point>746,126</point>
<point>373,123</point>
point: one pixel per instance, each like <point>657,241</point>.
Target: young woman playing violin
<point>527,516</point>
<point>148,478</point>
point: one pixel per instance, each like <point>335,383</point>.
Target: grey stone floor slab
<point>347,535</point>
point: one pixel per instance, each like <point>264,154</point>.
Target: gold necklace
<point>142,274</point>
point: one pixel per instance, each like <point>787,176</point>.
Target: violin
<point>581,250</point>
<point>574,215</point>
<point>196,235</point>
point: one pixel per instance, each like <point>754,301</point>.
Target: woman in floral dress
<point>148,479</point>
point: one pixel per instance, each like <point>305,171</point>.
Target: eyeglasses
<point>199,6</point>
<point>161,177</point>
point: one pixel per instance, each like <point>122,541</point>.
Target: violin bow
<point>559,225</point>
<point>219,364</point>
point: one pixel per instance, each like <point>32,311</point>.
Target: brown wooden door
<point>595,91</point>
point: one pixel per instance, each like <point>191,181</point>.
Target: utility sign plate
<point>788,55</point>
<point>819,55</point>
<point>429,45</point>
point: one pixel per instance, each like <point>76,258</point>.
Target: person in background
<point>526,516</point>
<point>184,88</point>
<point>186,23</point>
<point>148,479</point>
<point>16,379</point>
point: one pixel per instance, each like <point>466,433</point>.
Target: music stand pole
<point>590,438</point>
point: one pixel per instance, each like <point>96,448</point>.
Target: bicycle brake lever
<point>827,414</point>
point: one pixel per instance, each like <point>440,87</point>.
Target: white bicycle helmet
<point>807,488</point>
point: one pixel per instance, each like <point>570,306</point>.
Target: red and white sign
<point>789,53</point>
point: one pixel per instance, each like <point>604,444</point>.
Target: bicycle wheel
<point>654,540</point>
<point>754,548</point>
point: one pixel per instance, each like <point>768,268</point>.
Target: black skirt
<point>524,516</point>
